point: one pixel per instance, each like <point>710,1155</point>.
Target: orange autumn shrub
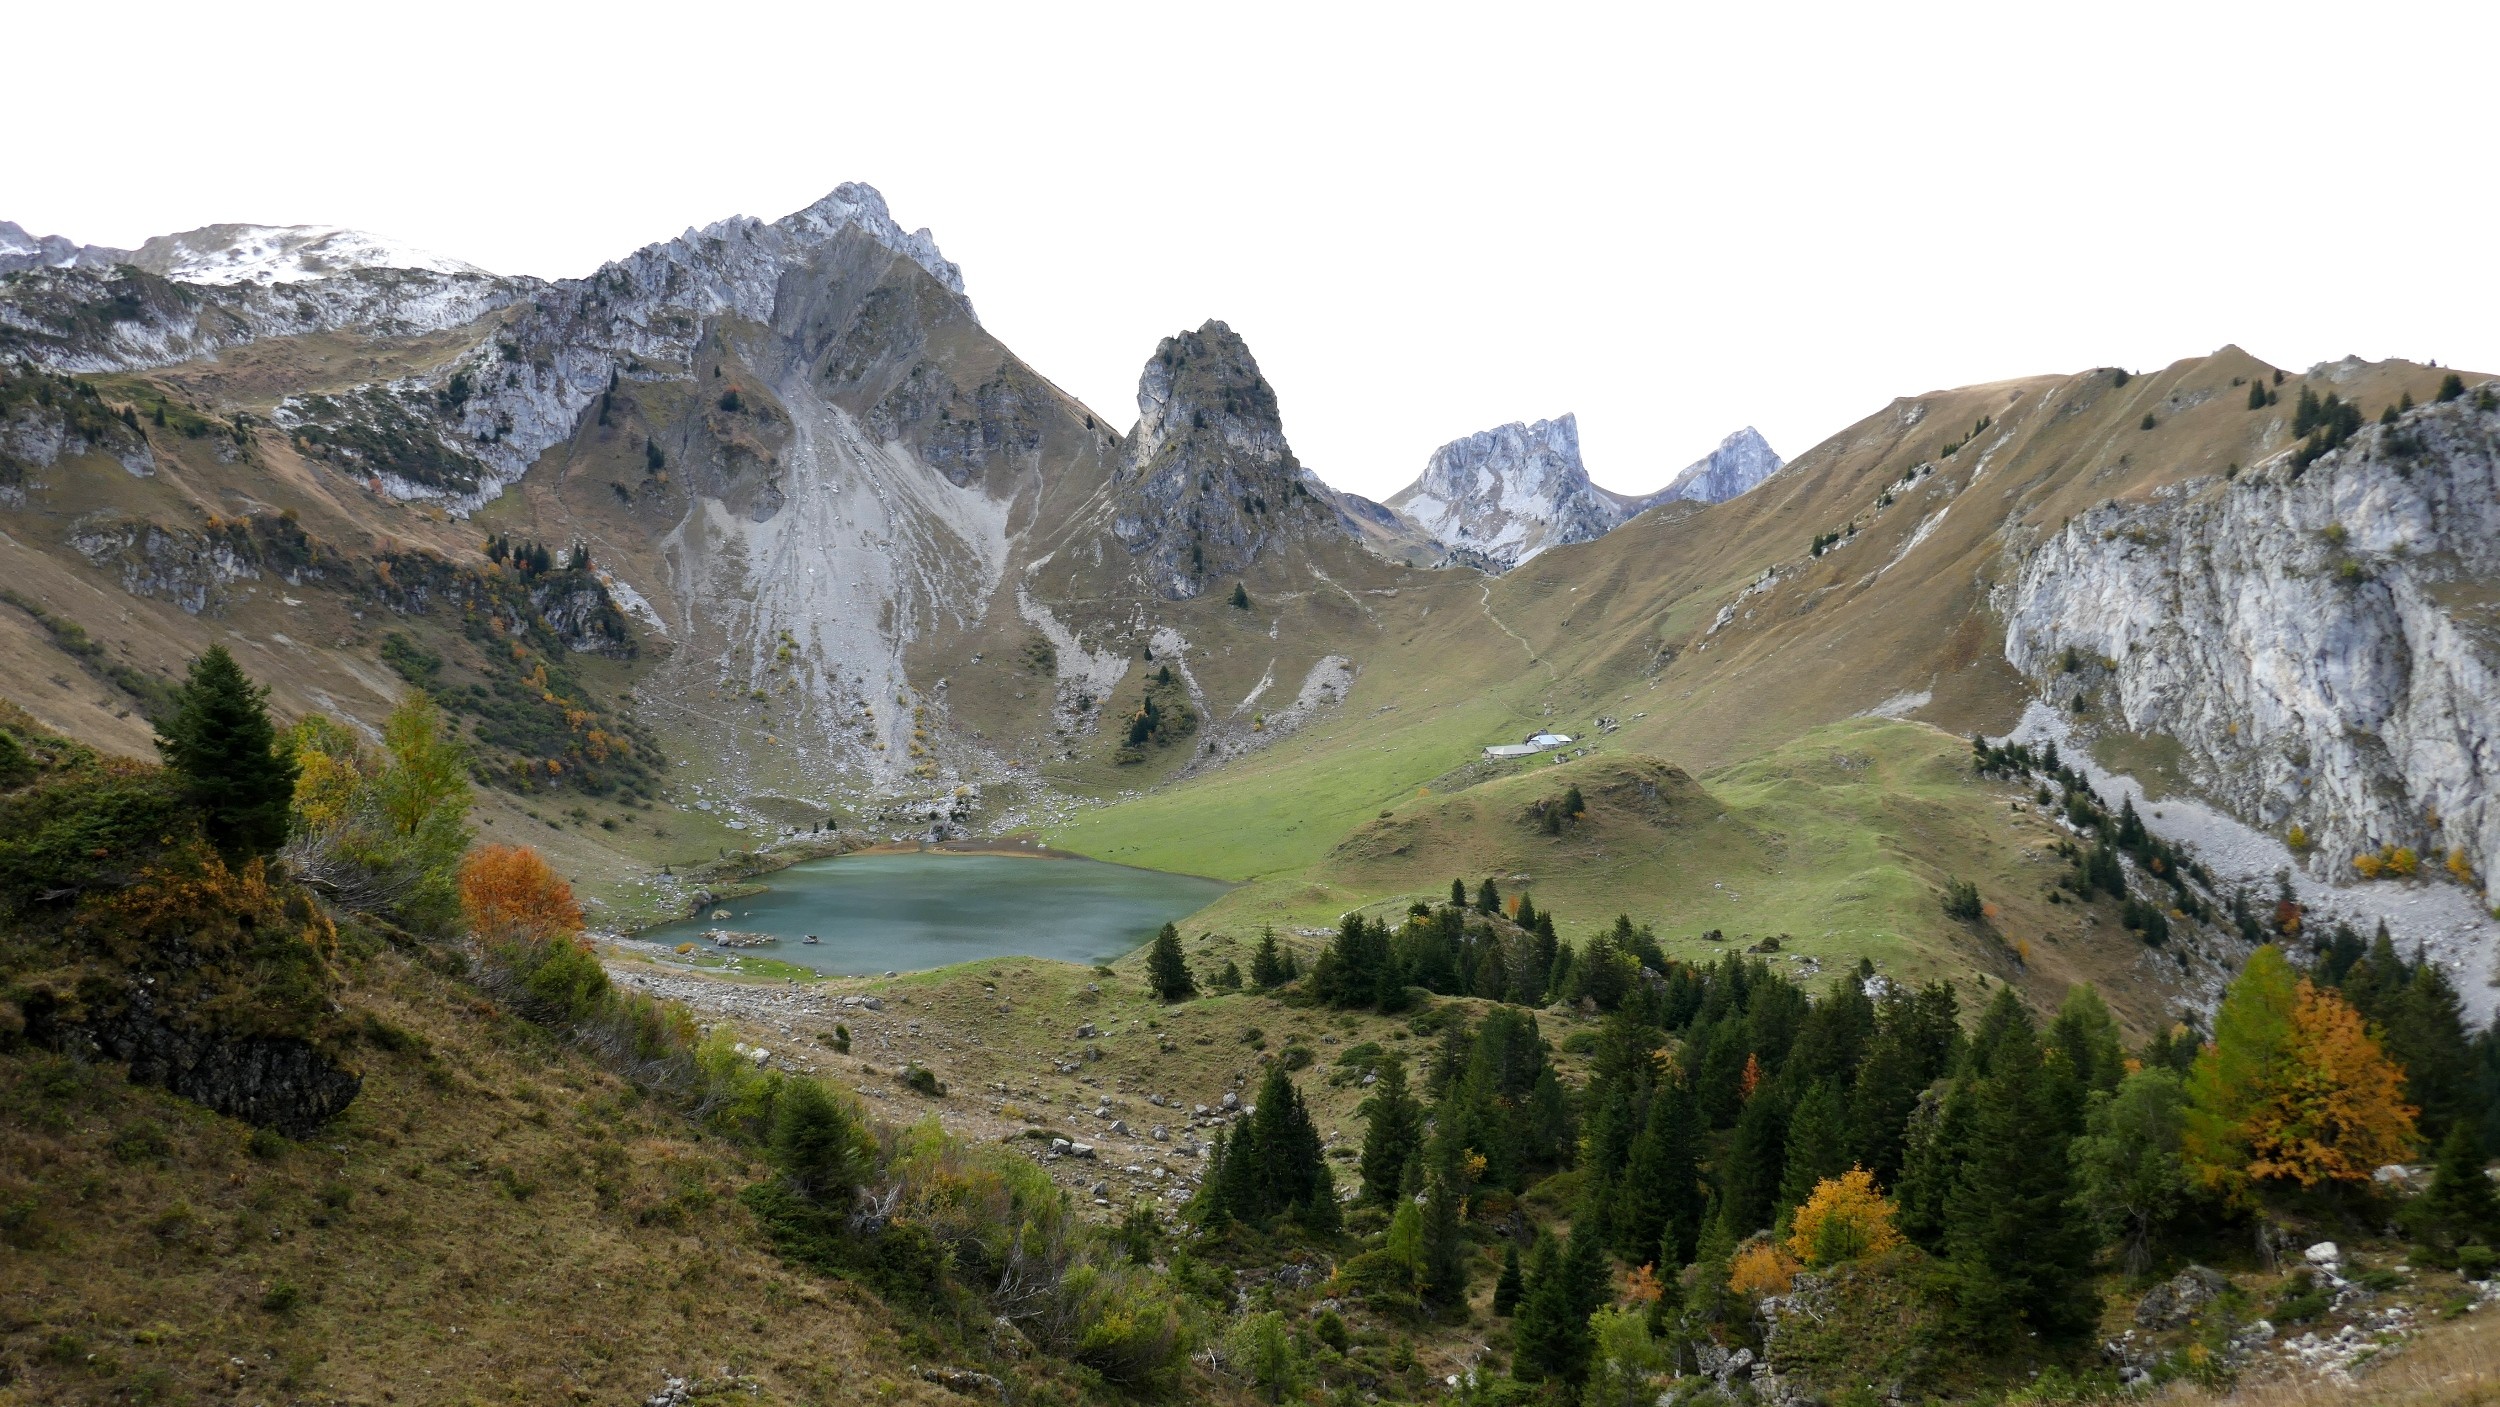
<point>508,894</point>
<point>228,948</point>
<point>1640,1285</point>
<point>1761,1268</point>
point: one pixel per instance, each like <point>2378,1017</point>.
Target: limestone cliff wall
<point>2324,641</point>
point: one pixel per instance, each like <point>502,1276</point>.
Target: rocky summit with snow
<point>218,255</point>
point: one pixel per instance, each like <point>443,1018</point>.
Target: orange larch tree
<point>2339,1113</point>
<point>508,894</point>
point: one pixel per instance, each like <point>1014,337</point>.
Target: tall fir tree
<point>1659,1209</point>
<point>218,739</point>
<point>1831,1044</point>
<point>1749,1181</point>
<point>1818,1145</point>
<point>1167,970</point>
<point>1507,1289</point>
<point>2018,1248</point>
<point>1916,1041</point>
<point>2460,1208</point>
<point>1563,1288</point>
<point>1268,967</point>
<point>2252,1055</point>
<point>1445,1251</point>
<point>1393,1134</point>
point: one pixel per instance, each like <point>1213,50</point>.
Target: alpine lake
<point>909,911</point>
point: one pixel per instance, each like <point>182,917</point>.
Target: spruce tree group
<point>1270,1166</point>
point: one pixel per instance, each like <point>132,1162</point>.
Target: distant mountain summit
<point>1501,496</point>
<point>221,255</point>
<point>1741,461</point>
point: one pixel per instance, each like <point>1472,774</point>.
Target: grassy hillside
<point>495,1219</point>
<point>1839,844</point>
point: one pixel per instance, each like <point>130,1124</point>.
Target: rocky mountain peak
<point>1207,478</point>
<point>20,250</point>
<point>1501,496</point>
<point>1741,461</point>
<point>859,206</point>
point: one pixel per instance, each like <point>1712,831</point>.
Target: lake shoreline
<point>918,905</point>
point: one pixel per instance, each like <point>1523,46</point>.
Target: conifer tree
<point>1659,1209</point>
<point>2128,1172</point>
<point>1167,970</point>
<point>2421,1023</point>
<point>1273,1165</point>
<point>1393,1134</point>
<point>1488,897</point>
<point>2017,1248</point>
<point>822,1151</point>
<point>2460,1208</point>
<point>220,742</point>
<point>1458,894</point>
<point>1507,1290</point>
<point>2090,1058</point>
<point>1831,1044</point>
<point>1267,965</point>
<point>1211,1207</point>
<point>2251,1057</point>
<point>1749,1182</point>
<point>1444,1262</point>
<point>1550,1333</point>
<point>1241,597</point>
<point>1240,1186</point>
<point>1818,1145</point>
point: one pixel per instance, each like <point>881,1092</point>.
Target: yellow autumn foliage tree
<point>1844,1219</point>
<point>2293,1089</point>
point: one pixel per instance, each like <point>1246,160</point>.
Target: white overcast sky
<point>1673,220</point>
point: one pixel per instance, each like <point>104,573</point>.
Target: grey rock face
<point>2316,639</point>
<point>1207,480</point>
<point>1509,493</point>
<point>20,251</point>
<point>80,319</point>
<point>1501,496</point>
<point>1741,461</point>
<point>273,1081</point>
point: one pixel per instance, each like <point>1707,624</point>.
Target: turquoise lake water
<point>905,912</point>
